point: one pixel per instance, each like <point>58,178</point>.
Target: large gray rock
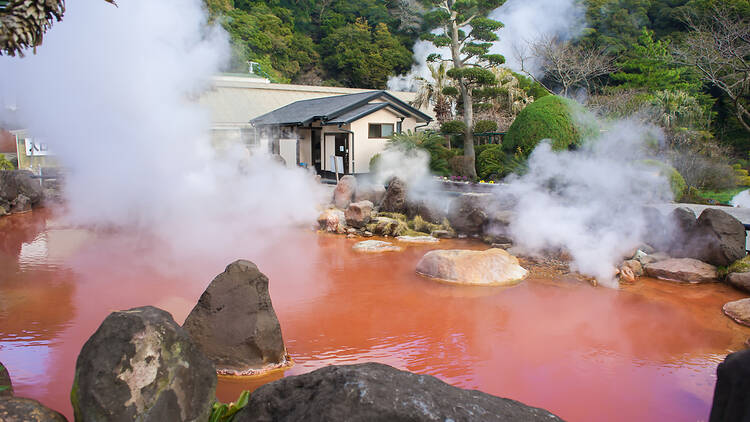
<point>469,212</point>
<point>731,401</point>
<point>140,365</point>
<point>344,191</point>
<point>376,392</point>
<point>685,270</point>
<point>21,204</point>
<point>740,280</point>
<point>6,386</point>
<point>395,197</point>
<point>17,409</point>
<point>19,182</point>
<point>429,211</point>
<point>369,192</point>
<point>234,323</point>
<point>358,214</point>
<point>721,236</point>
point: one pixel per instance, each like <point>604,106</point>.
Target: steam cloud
<point>589,202</point>
<point>112,92</point>
<point>526,21</point>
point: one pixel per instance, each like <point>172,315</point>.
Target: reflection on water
<point>646,352</point>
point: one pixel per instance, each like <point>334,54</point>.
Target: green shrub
<point>676,181</point>
<point>5,164</point>
<point>485,126</point>
<point>552,117</point>
<point>225,412</point>
<point>427,141</point>
<point>740,266</point>
<point>490,162</point>
<point>453,126</point>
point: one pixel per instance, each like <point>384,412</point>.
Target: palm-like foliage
<point>431,92</point>
<point>674,109</point>
<point>24,22</point>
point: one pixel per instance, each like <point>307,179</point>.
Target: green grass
<point>722,196</point>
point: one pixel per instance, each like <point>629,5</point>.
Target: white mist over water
<point>112,93</point>
<point>526,21</point>
<point>589,202</point>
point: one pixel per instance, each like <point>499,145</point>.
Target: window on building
<point>380,130</point>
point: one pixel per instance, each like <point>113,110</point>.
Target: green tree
<point>363,56</point>
<point>432,93</point>
<point>469,34</point>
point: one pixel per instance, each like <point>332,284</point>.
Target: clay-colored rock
<point>493,267</point>
<point>417,239</point>
<point>686,270</point>
<point>358,214</point>
<point>634,266</point>
<point>740,280</point>
<point>344,192</point>
<point>739,310</point>
<point>332,220</point>
<point>375,246</point>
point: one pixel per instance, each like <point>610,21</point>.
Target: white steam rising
<point>112,92</point>
<point>526,21</point>
<point>588,202</point>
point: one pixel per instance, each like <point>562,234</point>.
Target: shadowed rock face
<point>395,197</point>
<point>17,409</point>
<point>234,323</point>
<point>377,392</point>
<point>731,401</point>
<point>6,386</point>
<point>469,212</point>
<point>140,365</point>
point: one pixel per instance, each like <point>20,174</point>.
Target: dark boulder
<point>740,280</point>
<point>19,182</point>
<point>234,323</point>
<point>369,192</point>
<point>21,204</point>
<point>344,191</point>
<point>17,409</point>
<point>430,212</point>
<point>6,386</point>
<point>141,365</point>
<point>721,238</point>
<point>731,399</point>
<point>469,212</point>
<point>377,392</point>
<point>395,197</point>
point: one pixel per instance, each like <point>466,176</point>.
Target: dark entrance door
<point>342,150</point>
<point>316,154</point>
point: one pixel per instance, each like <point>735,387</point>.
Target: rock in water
<point>731,402</point>
<point>332,220</point>
<point>740,280</point>
<point>417,239</point>
<point>21,204</point>
<point>375,246</point>
<point>358,214</point>
<point>722,236</point>
<point>19,182</point>
<point>17,409</point>
<point>739,310</point>
<point>378,393</point>
<point>235,325</point>
<point>685,270</point>
<point>493,267</point>
<point>395,197</point>
<point>344,192</point>
<point>6,386</point>
<point>140,365</point>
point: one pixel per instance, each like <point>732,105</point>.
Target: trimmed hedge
<point>550,117</point>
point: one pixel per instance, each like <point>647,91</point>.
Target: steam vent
<point>235,325</point>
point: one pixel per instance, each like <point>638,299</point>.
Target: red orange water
<point>645,352</point>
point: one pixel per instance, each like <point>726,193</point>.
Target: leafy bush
<point>453,126</point>
<point>225,412</point>
<point>676,181</point>
<point>490,162</point>
<point>551,117</point>
<point>430,142</point>
<point>5,164</point>
<point>485,126</point>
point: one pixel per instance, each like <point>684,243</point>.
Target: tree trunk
<point>469,162</point>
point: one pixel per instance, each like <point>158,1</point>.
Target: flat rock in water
<point>740,280</point>
<point>739,310</point>
<point>234,323</point>
<point>417,239</point>
<point>17,409</point>
<point>493,267</point>
<point>375,246</point>
<point>686,270</point>
<point>378,393</point>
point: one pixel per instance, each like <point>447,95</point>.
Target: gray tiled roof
<point>342,108</point>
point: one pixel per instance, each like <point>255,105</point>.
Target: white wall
<point>365,147</point>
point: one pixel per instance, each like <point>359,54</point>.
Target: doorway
<point>316,153</point>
